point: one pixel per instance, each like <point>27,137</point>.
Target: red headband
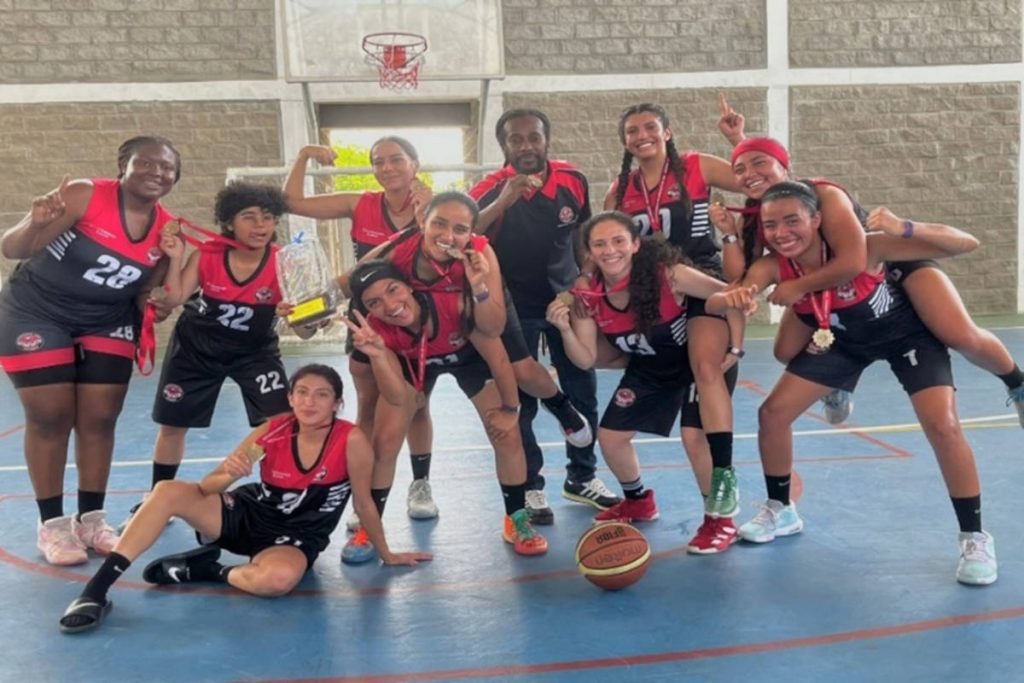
<point>769,146</point>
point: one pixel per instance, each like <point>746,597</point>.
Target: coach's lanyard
<point>654,210</point>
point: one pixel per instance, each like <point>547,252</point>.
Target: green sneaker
<point>724,498</point>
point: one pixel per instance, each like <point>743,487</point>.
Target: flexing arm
<point>898,239</point>
<point>51,214</point>
<point>235,466</point>
<point>324,206</point>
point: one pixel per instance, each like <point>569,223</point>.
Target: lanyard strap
<point>821,302</point>
<point>653,211</point>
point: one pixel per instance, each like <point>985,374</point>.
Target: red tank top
<point>442,309</point>
<point>371,224</point>
<point>408,248</point>
<point>619,326</point>
<point>844,296</point>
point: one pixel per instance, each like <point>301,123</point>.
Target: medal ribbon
<point>145,352</point>
<point>214,242</point>
<point>419,373</point>
<point>654,210</point>
<point>822,306</point>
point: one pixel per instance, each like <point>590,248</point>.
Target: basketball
<point>613,555</point>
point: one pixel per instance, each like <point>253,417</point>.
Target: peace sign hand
<point>364,337</point>
<point>50,206</point>
<point>730,121</point>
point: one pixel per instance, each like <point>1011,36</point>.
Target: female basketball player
<point>310,461</point>
<point>864,320</point>
<point>69,322</point>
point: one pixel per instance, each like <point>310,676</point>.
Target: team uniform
<point>69,313</point>
<point>226,330</point>
<point>371,224</point>
<point>871,320</point>
<point>291,505</point>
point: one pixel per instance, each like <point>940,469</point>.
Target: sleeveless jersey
<point>693,234</point>
<point>228,316</point>
<point>407,248</point>
<point>446,322</point>
<point>309,501</point>
<point>844,296</point>
<point>371,224</point>
<point>93,271</point>
<point>533,238</point>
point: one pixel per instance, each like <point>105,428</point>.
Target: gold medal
<point>255,453</point>
<point>716,198</point>
<point>455,253</point>
<point>170,228</point>
<point>823,338</point>
<point>536,181</point>
<point>565,297</point>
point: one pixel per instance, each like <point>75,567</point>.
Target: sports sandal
<point>84,614</point>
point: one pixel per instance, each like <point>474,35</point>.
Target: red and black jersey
<point>844,296</point>
<point>661,209</point>
<point>230,316</point>
<point>371,224</point>
<point>661,352</point>
<point>310,501</point>
<point>93,271</point>
<point>407,251</point>
<point>441,310</point>
<point>534,238</point>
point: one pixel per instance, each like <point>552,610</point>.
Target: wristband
<point>908,229</point>
<point>736,351</point>
<point>482,296</point>
<point>730,238</point>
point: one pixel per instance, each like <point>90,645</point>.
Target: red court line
<point>13,430</point>
<point>679,656</point>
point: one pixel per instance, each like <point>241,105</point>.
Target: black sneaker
<point>538,509</point>
<point>592,492</point>
<point>576,429</point>
<point>181,568</point>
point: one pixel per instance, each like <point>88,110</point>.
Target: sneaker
<point>773,519</point>
<point>631,510</point>
<point>59,544</point>
<point>352,523</point>
<point>715,535</point>
<point>538,509</point>
<point>420,503</point>
<point>94,532</point>
<point>1016,397</point>
<point>977,566</point>
<point>592,492</point>
<point>575,427</point>
<point>358,549</point>
<point>838,406</point>
<point>724,499</point>
<point>131,513</point>
<point>520,533</point>
<point>182,567</point>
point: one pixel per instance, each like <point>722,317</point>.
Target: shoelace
<point>421,493</point>
<point>597,487</point>
<point>766,515</point>
<point>524,530</point>
<point>976,550</point>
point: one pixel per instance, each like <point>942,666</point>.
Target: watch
<point>730,238</point>
<point>738,352</point>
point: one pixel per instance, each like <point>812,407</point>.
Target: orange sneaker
<point>524,538</point>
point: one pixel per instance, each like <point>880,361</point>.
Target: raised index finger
<point>723,105</point>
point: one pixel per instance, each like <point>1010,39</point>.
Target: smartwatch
<point>738,352</point>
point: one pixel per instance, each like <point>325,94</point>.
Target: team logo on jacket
<point>264,294</point>
<point>624,398</point>
<point>566,215</point>
<point>153,255</point>
<point>173,393</point>
<point>29,341</point>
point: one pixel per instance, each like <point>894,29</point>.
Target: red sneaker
<point>715,535</point>
<point>520,533</point>
<point>631,510</point>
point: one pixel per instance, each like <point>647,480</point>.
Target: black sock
<point>633,490</point>
<point>778,487</point>
<point>50,508</point>
<point>721,448</point>
<point>420,465</point>
<point>515,497</point>
<point>968,512</point>
<point>162,472</point>
<point>109,572</point>
<point>89,501</point>
<point>555,402</point>
<point>380,497</point>
<point>1014,378</point>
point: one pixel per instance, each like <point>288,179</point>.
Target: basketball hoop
<point>397,56</point>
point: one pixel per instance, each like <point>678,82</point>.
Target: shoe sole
<point>424,514</point>
<point>792,531</point>
<point>693,550</point>
<point>980,582</point>
<point>583,500</point>
<point>718,514</point>
<point>154,572</point>
<point>542,520</point>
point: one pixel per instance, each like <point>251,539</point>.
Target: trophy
<point>304,275</point>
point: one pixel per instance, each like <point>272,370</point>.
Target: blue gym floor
<point>866,592</point>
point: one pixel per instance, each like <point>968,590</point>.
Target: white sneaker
<point>977,566</point>
<point>420,502</point>
<point>59,544</point>
<point>838,406</point>
<point>352,523</point>
<point>772,520</point>
<point>538,509</point>
<point>94,532</point>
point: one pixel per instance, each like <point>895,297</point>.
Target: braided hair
<point>128,147</point>
<point>674,163</point>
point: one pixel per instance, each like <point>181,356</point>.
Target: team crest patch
<point>847,292</point>
<point>154,254</point>
<point>264,294</point>
<point>672,193</point>
<point>29,341</point>
<point>173,393</point>
<point>321,475</point>
<point>624,398</point>
<point>566,215</point>
<point>228,499</point>
<point>456,340</point>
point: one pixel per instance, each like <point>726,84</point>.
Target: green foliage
<point>354,155</point>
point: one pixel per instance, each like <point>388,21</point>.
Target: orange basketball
<point>613,555</point>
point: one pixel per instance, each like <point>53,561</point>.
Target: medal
<point>821,304</point>
<point>255,453</point>
<point>654,210</point>
<point>170,229</point>
<point>717,199</point>
<point>536,181</point>
<point>823,338</point>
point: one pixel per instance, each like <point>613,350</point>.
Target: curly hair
<point>674,163</point>
<point>240,195</point>
<point>129,146</point>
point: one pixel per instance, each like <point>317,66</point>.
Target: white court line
<point>833,431</point>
